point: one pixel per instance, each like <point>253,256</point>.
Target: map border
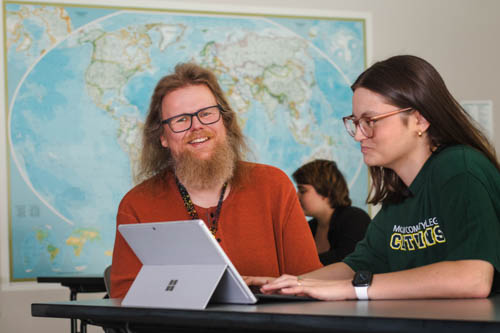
<point>6,260</point>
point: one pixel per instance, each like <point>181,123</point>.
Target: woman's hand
<point>257,281</point>
<point>335,290</point>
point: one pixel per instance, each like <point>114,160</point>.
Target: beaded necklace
<point>192,210</point>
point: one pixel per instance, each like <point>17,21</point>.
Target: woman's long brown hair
<point>410,82</point>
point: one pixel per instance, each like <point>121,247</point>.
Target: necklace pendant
<point>191,210</point>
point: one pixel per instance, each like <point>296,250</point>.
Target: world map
<point>79,81</point>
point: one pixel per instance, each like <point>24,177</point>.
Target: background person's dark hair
<point>326,179</point>
<point>154,157</point>
<point>409,81</point>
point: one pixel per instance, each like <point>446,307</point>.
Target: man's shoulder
<point>264,177</point>
<point>148,188</point>
<point>263,170</point>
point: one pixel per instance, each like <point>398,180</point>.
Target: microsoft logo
<point>171,285</point>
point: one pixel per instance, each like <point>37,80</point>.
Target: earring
<point>419,133</point>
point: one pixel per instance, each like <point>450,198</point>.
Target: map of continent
<point>79,81</point>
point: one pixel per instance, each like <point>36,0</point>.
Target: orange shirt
<point>261,226</point>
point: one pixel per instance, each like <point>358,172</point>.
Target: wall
<point>457,36</point>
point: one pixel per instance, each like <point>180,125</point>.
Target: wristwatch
<point>361,281</point>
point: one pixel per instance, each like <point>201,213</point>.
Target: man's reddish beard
<point>200,174</point>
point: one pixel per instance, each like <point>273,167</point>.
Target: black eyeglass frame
<point>191,115</point>
<point>369,121</point>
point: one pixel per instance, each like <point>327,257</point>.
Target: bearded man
<point>194,169</point>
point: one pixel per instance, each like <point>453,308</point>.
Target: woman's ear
<point>422,123</point>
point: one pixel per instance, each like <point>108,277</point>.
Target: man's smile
<point>198,140</point>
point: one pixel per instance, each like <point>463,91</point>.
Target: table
<point>464,315</point>
<point>77,284</point>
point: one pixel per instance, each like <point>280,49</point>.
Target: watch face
<point>362,278</point>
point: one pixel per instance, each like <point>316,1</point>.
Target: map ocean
<point>79,91</point>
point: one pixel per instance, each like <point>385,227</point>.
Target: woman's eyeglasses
<point>366,123</point>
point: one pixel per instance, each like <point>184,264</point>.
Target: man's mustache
<point>198,134</point>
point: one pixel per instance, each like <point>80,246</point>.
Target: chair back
<point>107,279</point>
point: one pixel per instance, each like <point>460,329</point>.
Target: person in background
<point>336,225</point>
<point>437,178</point>
<point>192,160</point>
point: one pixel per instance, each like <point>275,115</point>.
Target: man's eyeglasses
<point>183,122</point>
<point>366,123</point>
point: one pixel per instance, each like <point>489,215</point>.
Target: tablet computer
<point>183,267</point>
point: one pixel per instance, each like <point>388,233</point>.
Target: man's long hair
<point>156,159</point>
<point>410,82</point>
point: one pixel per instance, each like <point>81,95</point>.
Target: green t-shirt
<point>452,214</point>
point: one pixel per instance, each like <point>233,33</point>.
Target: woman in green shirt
<point>437,179</point>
